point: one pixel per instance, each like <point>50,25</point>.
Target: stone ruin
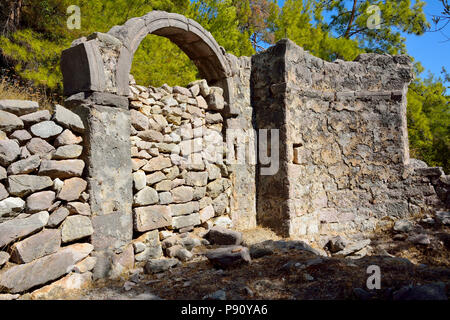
<point>124,174</point>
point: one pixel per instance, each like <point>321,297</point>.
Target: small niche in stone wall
<point>300,154</point>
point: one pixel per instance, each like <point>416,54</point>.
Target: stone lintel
<point>97,98</point>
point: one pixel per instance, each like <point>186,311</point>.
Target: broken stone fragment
<point>21,136</point>
<point>24,166</point>
<point>145,197</point>
<point>68,119</point>
<point>57,217</point>
<point>35,117</point>
<point>230,256</point>
<point>18,107</point>
<point>222,236</point>
<point>160,265</point>
<point>22,277</point>
<point>17,228</point>
<point>67,138</point>
<point>11,206</point>
<point>151,217</point>
<point>62,168</point>
<point>70,151</point>
<point>190,220</point>
<point>23,185</point>
<point>9,122</point>
<point>79,208</point>
<point>354,247</point>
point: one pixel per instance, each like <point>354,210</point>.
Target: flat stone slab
<point>19,107</point>
<point>70,151</point>
<point>57,217</point>
<point>22,185</point>
<point>11,206</point>
<point>35,117</point>
<point>74,281</point>
<point>62,168</point>
<point>39,245</point>
<point>180,222</point>
<point>24,166</point>
<point>18,228</point>
<point>40,147</point>
<point>68,119</point>
<point>3,192</point>
<point>4,257</point>
<point>20,278</point>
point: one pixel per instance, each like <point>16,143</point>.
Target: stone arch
<point>102,62</point>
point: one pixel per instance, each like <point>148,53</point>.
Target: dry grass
<point>12,89</point>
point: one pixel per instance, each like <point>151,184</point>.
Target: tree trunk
<point>13,19</point>
<point>350,22</point>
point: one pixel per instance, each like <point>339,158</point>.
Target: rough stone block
<point>39,245</point>
<point>22,185</point>
<point>18,107</point>
<point>75,228</point>
<point>186,221</point>
<point>152,217</point>
<point>41,271</point>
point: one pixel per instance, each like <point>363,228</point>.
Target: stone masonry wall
<point>45,223</point>
<point>180,179</point>
<point>240,126</point>
<point>343,142</point>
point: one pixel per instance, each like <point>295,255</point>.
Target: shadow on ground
<point>282,269</point>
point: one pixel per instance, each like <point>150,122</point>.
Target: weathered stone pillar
<point>268,90</point>
<point>108,162</point>
<point>239,126</point>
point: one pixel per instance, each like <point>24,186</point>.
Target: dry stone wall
<point>180,179</point>
<point>45,223</point>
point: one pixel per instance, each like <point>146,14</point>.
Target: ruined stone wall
<point>45,223</point>
<point>180,178</point>
<point>343,142</point>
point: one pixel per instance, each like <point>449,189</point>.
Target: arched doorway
<point>102,62</point>
<point>96,80</point>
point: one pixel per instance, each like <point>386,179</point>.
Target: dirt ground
<point>289,272</point>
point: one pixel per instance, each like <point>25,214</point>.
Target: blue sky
<point>430,49</point>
